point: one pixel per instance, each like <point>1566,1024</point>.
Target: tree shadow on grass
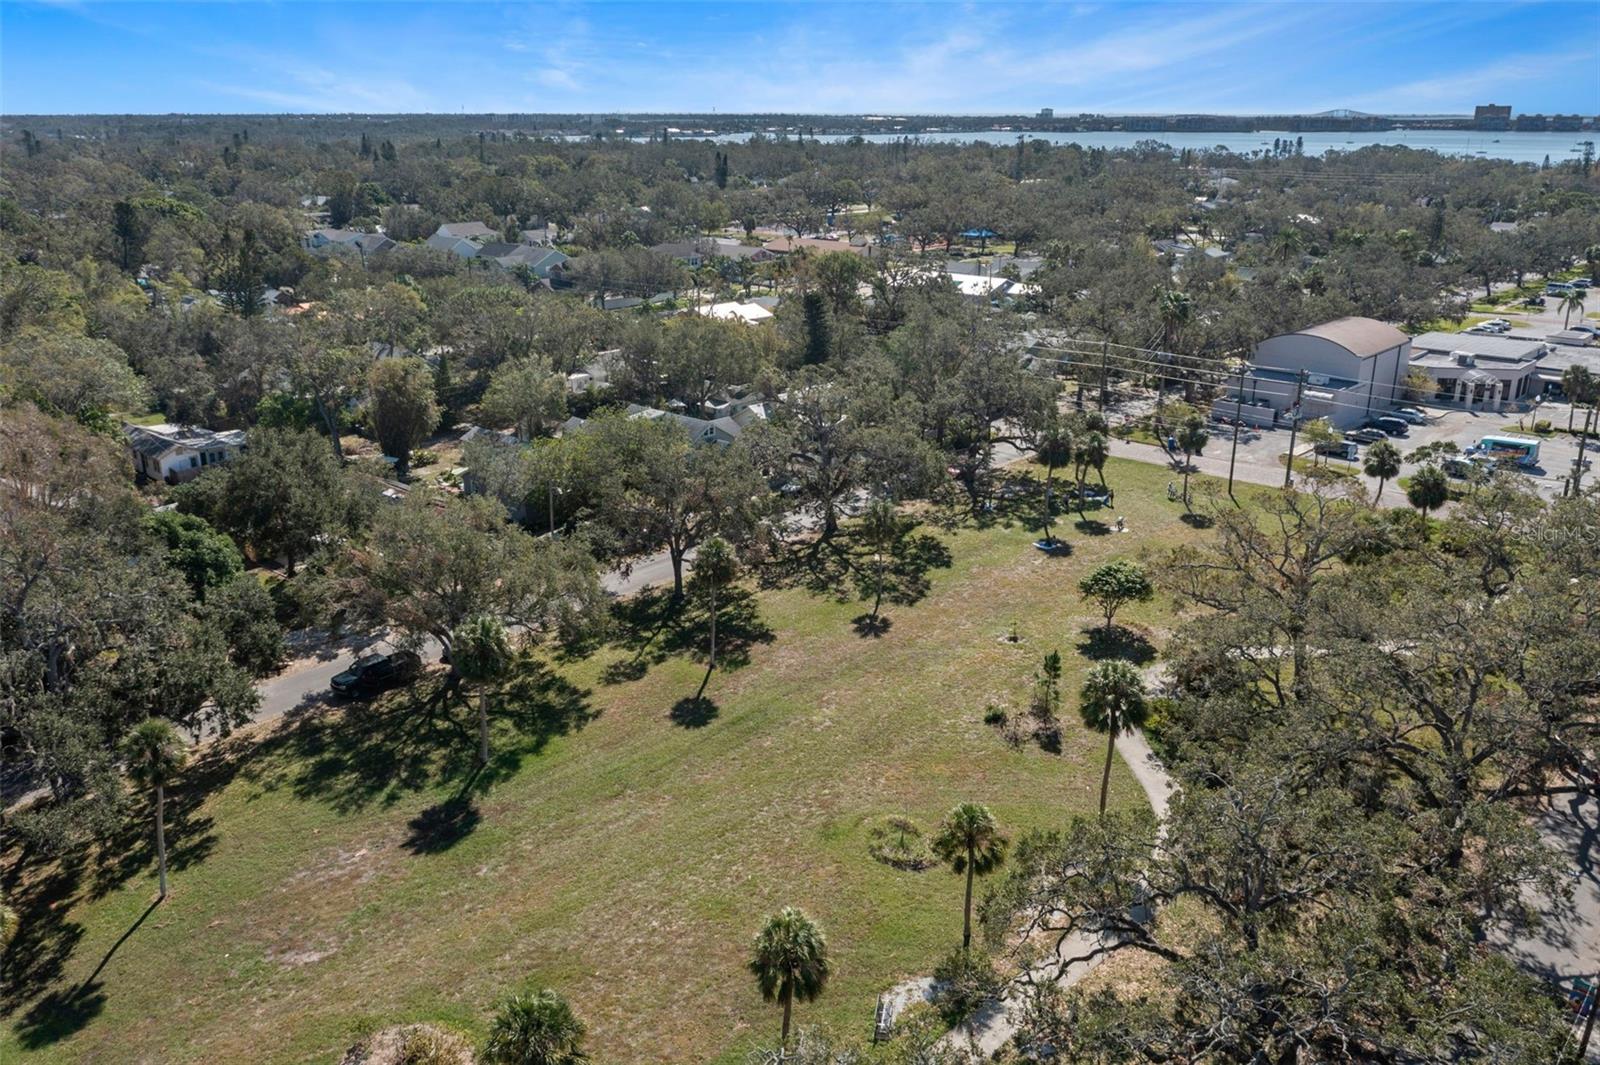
<point>1122,642</point>
<point>1197,520</point>
<point>693,711</point>
<point>59,1014</point>
<point>378,752</point>
<point>872,626</point>
<point>655,628</point>
<point>40,888</point>
<point>1092,527</point>
<point>442,825</point>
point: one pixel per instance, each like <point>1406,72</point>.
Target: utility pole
<point>1294,428</point>
<point>1238,416</point>
<point>1105,381</point>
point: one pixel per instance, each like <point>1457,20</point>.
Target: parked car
<point>1392,426</point>
<point>1557,288</point>
<point>1410,415</point>
<point>1366,435</point>
<point>1591,330</point>
<point>1339,449</point>
<point>371,674</point>
<point>1465,468</point>
<point>1499,325</point>
<point>1533,301</point>
<point>1581,282</point>
<point>1481,330</point>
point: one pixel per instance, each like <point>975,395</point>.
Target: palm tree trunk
<point>966,923</point>
<point>1049,487</point>
<point>788,1006</point>
<point>483,727</point>
<point>877,598</point>
<point>1105,778</point>
<point>713,660</point>
<point>161,836</point>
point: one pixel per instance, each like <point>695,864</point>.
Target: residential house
<point>325,241</point>
<point>596,374</point>
<point>175,453</point>
<point>814,245</point>
<point>719,431</point>
<point>542,262</point>
<point>696,253</point>
<point>749,313</point>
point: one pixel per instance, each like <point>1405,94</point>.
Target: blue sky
<point>159,56</point>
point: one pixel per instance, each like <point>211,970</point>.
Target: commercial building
<point>1346,370</point>
<point>1492,116</point>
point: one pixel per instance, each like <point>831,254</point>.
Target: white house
<point>176,453</point>
<point>1346,370</point>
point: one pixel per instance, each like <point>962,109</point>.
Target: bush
<point>410,1044</point>
<point>965,982</point>
<point>899,842</point>
<point>1542,425</point>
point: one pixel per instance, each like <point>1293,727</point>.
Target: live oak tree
<point>285,496</point>
<point>403,408</point>
<point>654,488</point>
<point>99,633</point>
<point>524,395</point>
<point>431,563</point>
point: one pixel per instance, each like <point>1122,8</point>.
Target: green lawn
<point>324,883</point>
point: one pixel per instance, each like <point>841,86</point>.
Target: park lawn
<point>326,884</point>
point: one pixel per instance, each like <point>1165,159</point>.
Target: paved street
<point>1566,946</point>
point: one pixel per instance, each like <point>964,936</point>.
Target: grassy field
<point>346,870</point>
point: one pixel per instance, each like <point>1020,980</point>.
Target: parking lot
<point>1262,450</point>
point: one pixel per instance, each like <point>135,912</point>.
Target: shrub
<point>994,715</point>
<point>1542,425</point>
<point>410,1044</point>
<point>965,982</point>
<point>899,842</point>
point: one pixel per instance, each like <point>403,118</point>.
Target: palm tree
<point>480,651</point>
<point>714,566</point>
<point>1287,243</point>
<point>1192,440</point>
<point>1113,702</point>
<point>969,839</point>
<point>1176,310</point>
<point>1578,382</point>
<point>535,1028</point>
<point>153,754</point>
<point>1572,302</point>
<point>790,961</point>
<point>1055,449</point>
<point>1383,462</point>
<point>1096,449</point>
<point>1429,489</point>
<point>881,528</point>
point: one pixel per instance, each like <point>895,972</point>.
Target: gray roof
<point>1361,337</point>
<point>154,441</point>
<point>1483,345</point>
<point>466,229</point>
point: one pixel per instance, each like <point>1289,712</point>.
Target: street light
<point>554,491</point>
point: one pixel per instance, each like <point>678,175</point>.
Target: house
<point>720,431</point>
<point>815,245</point>
<point>475,231</point>
<point>539,261</point>
<point>696,253</point>
<point>749,313</point>
<point>1346,370</point>
<point>596,374</point>
<point>175,453</point>
<point>324,241</point>
<point>546,234</point>
<point>460,247</point>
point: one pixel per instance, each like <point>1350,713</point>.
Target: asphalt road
<point>1566,945</point>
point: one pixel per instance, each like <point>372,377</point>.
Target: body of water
<point>1517,147</point>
